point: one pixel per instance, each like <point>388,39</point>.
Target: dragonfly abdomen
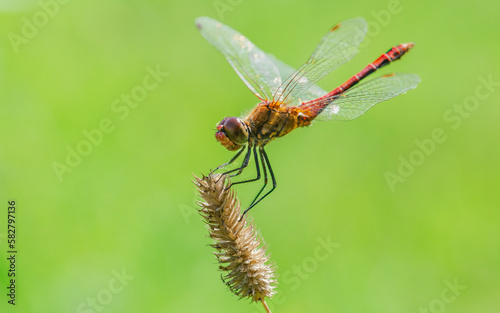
<point>390,56</point>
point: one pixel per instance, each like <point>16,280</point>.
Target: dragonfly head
<point>232,133</point>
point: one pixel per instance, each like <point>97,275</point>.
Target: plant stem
<point>265,306</point>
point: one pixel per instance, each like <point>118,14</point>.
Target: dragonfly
<point>289,98</point>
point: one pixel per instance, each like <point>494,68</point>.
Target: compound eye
<point>221,123</point>
<point>235,130</point>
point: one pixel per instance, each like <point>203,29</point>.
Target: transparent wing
<point>360,98</point>
<point>251,64</point>
<point>336,48</point>
<point>311,93</point>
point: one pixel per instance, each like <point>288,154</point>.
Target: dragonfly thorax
<point>232,133</point>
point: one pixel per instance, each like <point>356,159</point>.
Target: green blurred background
<point>126,210</point>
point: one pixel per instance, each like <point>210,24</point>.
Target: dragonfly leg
<point>256,166</point>
<point>265,177</point>
<point>230,161</point>
<point>243,165</point>
<point>268,164</point>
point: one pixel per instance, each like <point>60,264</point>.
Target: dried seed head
<point>238,244</point>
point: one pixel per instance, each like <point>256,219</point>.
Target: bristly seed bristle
<point>238,245</point>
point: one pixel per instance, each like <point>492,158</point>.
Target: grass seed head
<point>238,245</point>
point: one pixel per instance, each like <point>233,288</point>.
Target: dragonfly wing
<point>336,48</point>
<point>360,98</point>
<point>311,93</point>
<point>251,64</point>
